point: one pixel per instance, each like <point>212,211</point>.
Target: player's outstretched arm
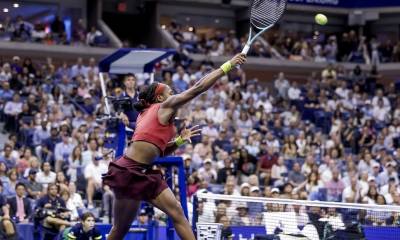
<point>204,84</point>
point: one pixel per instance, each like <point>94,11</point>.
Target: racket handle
<point>246,49</point>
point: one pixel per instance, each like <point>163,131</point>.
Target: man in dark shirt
<point>222,143</point>
<point>49,145</point>
<point>33,188</point>
<point>128,116</point>
<point>54,220</point>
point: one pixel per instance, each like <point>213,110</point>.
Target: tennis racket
<point>263,15</point>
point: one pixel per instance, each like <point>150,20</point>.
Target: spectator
<point>12,109</point>
<point>282,85</point>
<point>57,28</point>
<point>93,172</point>
<point>92,35</point>
<point>62,151</point>
<point>207,172</point>
<point>295,177</point>
<point>20,206</point>
<point>46,176</point>
<point>33,188</point>
<point>334,187</point>
<point>7,158</point>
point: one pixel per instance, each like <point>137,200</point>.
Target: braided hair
<point>147,96</point>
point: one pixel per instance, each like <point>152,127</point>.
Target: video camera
<point>122,104</point>
<point>42,213</point>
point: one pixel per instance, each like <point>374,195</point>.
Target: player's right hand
<point>238,59</point>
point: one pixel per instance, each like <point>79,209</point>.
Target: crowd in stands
<point>276,44</point>
<point>334,137</point>
<point>51,33</point>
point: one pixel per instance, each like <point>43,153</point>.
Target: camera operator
<point>128,116</point>
<point>51,213</point>
<point>85,230</point>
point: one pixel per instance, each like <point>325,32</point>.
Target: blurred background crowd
<point>291,45</point>
<point>51,32</point>
<point>333,137</point>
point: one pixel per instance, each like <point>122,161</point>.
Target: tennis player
<point>131,177</point>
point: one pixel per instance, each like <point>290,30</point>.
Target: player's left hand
<point>188,133</point>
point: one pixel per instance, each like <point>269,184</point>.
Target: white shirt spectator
<point>267,105</point>
<point>88,155</point>
<point>380,114</point>
<point>277,171</point>
<point>95,171</point>
<point>282,85</point>
<point>13,108</point>
<point>294,93</point>
<point>62,151</point>
<point>349,192</point>
<point>217,115</point>
<point>386,102</point>
<point>208,175</point>
<point>44,179</point>
<point>342,92</point>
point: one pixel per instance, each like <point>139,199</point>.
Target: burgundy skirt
<point>130,179</point>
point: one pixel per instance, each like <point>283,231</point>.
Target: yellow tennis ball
<point>321,19</point>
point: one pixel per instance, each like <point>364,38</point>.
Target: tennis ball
<point>321,19</point>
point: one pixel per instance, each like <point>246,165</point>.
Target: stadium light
<point>16,5</point>
<point>5,10</point>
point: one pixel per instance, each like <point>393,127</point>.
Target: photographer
<point>85,230</point>
<point>51,213</point>
<point>128,116</point>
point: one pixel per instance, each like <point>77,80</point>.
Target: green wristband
<point>226,67</point>
<point>179,141</point>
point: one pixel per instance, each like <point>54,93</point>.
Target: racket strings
<point>265,13</point>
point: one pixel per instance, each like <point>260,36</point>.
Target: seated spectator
<point>20,205</point>
<point>93,173</point>
<point>46,176</point>
<point>242,217</point>
<point>91,36</point>
<point>62,151</point>
<point>142,219</point>
<point>279,171</point>
<point>7,158</point>
<point>10,185</point>
<point>295,177</point>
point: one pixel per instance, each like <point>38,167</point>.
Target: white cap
<point>390,163</point>
<point>275,190</point>
<point>241,205</point>
<point>244,185</point>
<point>208,160</point>
<point>186,156</point>
<point>254,188</point>
<point>375,164</point>
<point>371,178</point>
